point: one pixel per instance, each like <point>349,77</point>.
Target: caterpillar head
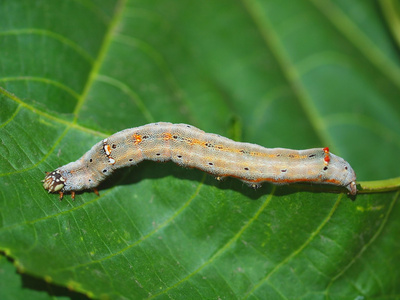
<point>54,182</point>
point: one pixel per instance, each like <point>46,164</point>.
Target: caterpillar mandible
<point>189,146</point>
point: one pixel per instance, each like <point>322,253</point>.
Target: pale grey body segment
<point>191,147</point>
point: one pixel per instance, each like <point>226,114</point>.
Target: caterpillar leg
<point>254,185</point>
<point>62,195</point>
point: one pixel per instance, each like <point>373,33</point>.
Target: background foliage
<point>288,73</point>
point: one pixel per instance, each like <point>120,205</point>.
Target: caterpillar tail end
<point>352,187</point>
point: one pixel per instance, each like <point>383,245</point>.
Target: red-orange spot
<point>107,149</point>
<point>167,136</point>
<point>137,138</point>
<point>327,159</point>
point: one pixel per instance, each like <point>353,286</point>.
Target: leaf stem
<point>378,186</point>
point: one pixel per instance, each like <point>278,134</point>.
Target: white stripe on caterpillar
<point>189,146</point>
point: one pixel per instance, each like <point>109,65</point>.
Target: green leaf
<point>17,286</point>
<point>294,74</point>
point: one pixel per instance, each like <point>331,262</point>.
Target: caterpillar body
<point>189,146</point>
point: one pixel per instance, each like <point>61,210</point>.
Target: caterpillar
<point>189,146</point>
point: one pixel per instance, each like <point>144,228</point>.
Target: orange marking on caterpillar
<point>107,149</point>
<point>167,136</point>
<point>327,159</point>
<point>137,138</point>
